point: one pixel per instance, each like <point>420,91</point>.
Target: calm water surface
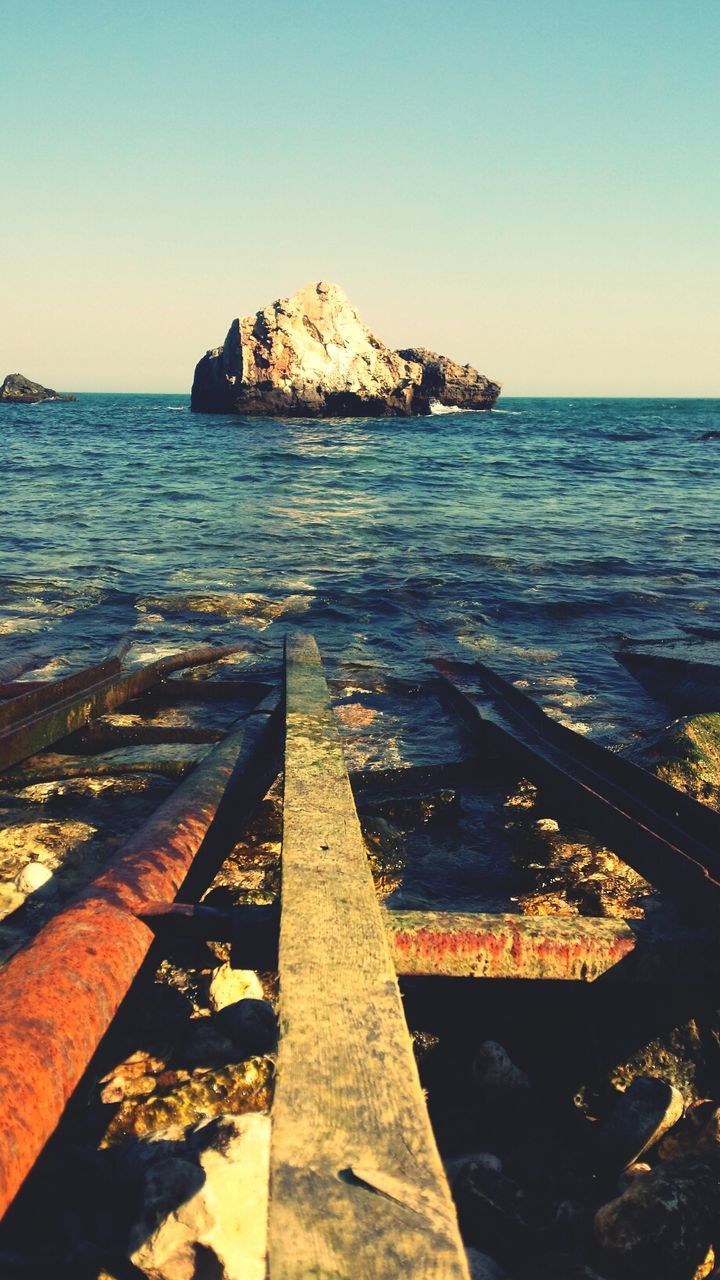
<point>535,537</point>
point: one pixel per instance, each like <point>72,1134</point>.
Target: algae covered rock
<point>687,755</point>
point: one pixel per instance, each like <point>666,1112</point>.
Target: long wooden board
<point>357,1185</point>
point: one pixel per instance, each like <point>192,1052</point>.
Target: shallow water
<point>534,537</point>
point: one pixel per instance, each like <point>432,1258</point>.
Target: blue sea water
<point>535,537</point>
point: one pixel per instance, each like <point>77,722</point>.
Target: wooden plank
<point>357,1185</point>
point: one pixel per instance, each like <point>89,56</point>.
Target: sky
<point>531,187</point>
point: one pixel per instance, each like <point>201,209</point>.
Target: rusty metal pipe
<point>59,995</point>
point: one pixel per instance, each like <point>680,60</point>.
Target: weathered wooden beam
<point>59,994</point>
<point>358,1188</point>
<point>46,726</point>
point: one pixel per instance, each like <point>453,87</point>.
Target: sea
<point>538,538</point>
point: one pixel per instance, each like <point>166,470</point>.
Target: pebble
<point>33,877</point>
<point>228,985</point>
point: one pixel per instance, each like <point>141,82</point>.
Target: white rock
<point>33,877</point>
<point>228,985</point>
<point>217,1218</point>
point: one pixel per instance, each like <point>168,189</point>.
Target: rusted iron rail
<point>454,944</point>
<point>685,686</point>
<point>670,839</point>
<point>52,691</point>
<point>36,731</point>
<point>59,995</point>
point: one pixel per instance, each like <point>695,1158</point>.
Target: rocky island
<point>311,356</point>
<point>17,389</point>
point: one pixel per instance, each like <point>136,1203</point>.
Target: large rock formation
<point>17,389</point>
<point>311,356</point>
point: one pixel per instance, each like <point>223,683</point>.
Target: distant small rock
<point>710,435</point>
<point>17,389</point>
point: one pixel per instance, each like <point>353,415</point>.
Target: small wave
<point>436,408</point>
<point>511,413</point>
<point>175,408</point>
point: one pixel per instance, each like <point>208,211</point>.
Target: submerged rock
<point>311,356</point>
<point>17,389</point>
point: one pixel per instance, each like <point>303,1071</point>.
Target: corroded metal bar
<point>669,838</point>
<point>684,685</point>
<point>99,737</point>
<point>35,732</point>
<point>211,690</point>
<point>453,944</point>
<point>59,995</point>
<point>52,691</point>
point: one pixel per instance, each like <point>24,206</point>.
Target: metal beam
<point>36,731</point>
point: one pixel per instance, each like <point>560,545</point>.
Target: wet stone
<point>482,1267</point>
<point>495,1213</point>
<point>637,1120</point>
<point>250,1026</point>
<point>204,1204</point>
<point>665,1222</point>
<point>699,1132</point>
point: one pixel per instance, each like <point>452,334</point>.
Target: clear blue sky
<point>529,186</point>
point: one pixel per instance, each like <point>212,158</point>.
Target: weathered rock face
<point>311,356</point>
<point>455,385</point>
<point>17,389</point>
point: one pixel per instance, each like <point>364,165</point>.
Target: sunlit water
<point>534,538</point>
